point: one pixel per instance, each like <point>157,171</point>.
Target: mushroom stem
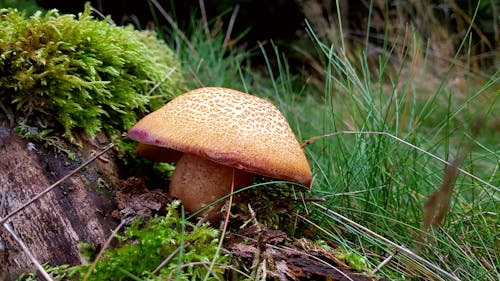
<point>198,182</point>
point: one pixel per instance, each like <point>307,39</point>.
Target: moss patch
<point>184,251</point>
<point>61,73</point>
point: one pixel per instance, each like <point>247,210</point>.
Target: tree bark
<point>78,210</point>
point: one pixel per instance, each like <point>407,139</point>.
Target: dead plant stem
<point>226,222</point>
<point>27,251</point>
<point>389,242</point>
<point>101,252</point>
<point>313,139</point>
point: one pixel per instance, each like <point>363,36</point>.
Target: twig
<point>99,13</point>
<point>226,222</point>
<point>28,252</point>
<point>230,28</point>
<point>39,195</point>
<point>384,262</point>
<point>398,247</point>
<point>174,25</point>
<point>353,192</point>
<point>101,252</point>
<point>162,80</point>
<point>304,199</point>
<point>169,258</point>
<point>313,139</point>
<point>204,18</point>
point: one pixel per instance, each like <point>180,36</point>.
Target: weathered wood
<point>286,258</point>
<point>71,213</point>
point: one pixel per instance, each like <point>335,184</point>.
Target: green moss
<point>144,248</point>
<point>62,73</point>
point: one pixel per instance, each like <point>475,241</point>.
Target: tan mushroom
<point>221,133</point>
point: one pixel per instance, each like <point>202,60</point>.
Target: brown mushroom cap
<point>230,128</point>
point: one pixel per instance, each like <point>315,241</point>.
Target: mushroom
<point>218,137</point>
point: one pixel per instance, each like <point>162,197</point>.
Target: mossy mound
<point>60,73</point>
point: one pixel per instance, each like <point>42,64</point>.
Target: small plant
<point>60,272</point>
<point>62,73</point>
<point>184,251</point>
<point>144,248</point>
<point>34,134</point>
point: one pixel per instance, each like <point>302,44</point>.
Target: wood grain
<point>71,213</point>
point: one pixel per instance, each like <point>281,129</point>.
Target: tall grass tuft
<point>371,175</point>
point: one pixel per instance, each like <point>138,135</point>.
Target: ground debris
<point>275,256</point>
<point>135,200</point>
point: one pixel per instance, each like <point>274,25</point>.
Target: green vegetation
<point>65,74</point>
<point>145,253</point>
<point>382,183</point>
<point>145,247</point>
<point>369,174</point>
<point>390,115</point>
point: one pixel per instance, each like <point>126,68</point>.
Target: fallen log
<point>272,253</point>
<point>77,210</point>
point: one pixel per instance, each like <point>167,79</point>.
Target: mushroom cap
<point>230,128</point>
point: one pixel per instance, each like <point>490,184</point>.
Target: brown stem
<point>198,182</point>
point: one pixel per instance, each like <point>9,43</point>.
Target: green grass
<point>377,180</point>
<point>382,183</point>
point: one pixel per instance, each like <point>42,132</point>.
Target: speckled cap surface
<point>228,127</point>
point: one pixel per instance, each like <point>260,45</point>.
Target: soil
<point>135,200</point>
